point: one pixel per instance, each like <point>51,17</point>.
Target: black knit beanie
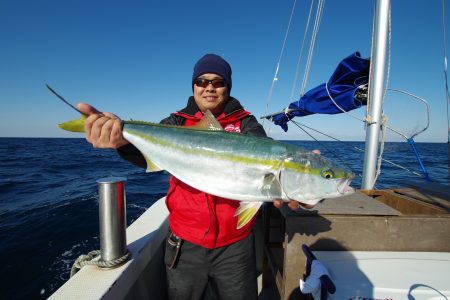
<point>212,63</point>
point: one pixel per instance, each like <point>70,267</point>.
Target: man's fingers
<point>87,108</point>
<point>307,206</point>
<point>116,132</point>
<point>111,115</point>
<point>98,135</point>
<point>89,124</point>
<point>105,132</point>
<point>117,139</point>
<point>294,205</point>
<point>278,203</point>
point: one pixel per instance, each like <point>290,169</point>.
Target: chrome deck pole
<point>112,213</point>
<point>376,91</point>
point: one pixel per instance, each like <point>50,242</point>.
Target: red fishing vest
<point>201,218</point>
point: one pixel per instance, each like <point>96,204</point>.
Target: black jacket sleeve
<point>250,126</point>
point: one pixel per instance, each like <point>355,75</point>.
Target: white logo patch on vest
<point>232,128</point>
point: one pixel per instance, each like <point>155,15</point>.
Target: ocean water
<point>49,208</point>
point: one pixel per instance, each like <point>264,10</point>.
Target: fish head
<point>309,178</point>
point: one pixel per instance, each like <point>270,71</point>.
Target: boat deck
<point>407,219</point>
<point>404,219</point>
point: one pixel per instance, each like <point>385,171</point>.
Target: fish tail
<point>74,125</point>
<point>245,212</point>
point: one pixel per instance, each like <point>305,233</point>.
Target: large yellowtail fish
<point>234,166</point>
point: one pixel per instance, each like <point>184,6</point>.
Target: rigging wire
<point>369,84</point>
<point>317,22</point>
<point>387,127</point>
<point>367,120</point>
<point>446,78</point>
<point>322,145</point>
<point>297,70</point>
<point>275,77</point>
<point>445,63</point>
<point>300,125</point>
<point>388,67</point>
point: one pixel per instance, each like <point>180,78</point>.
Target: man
<point>204,247</point>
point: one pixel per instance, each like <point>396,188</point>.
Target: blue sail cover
<point>350,74</point>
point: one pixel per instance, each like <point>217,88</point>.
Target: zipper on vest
<point>212,221</point>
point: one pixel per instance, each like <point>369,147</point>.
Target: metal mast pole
<point>376,91</point>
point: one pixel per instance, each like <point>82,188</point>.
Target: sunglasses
<point>216,83</point>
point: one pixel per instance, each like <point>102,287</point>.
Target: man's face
<point>210,95</point>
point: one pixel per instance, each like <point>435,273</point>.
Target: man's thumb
<point>87,108</point>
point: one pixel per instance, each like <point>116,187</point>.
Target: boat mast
<point>376,91</point>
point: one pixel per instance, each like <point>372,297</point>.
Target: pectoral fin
<point>245,212</point>
<point>271,187</point>
<point>151,167</point>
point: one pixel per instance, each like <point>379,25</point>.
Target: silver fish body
<point>237,166</point>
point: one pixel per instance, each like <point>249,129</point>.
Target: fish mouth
<point>343,187</point>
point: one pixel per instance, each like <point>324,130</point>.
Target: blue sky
<point>135,58</point>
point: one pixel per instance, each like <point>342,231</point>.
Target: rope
<point>340,108</point>
<point>93,259</point>
<point>382,140</point>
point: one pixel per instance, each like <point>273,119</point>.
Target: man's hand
<point>103,130</point>
<point>294,205</point>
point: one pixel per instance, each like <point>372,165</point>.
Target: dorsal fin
<point>208,122</point>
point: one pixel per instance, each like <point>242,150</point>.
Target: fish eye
<point>327,173</point>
